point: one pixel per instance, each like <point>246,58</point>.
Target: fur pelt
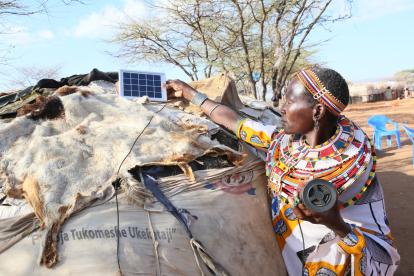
<point>63,165</point>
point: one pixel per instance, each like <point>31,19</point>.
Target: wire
<point>139,135</point>
<point>303,251</point>
<point>117,185</point>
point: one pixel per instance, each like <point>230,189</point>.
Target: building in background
<point>376,91</point>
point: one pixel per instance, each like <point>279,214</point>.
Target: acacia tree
<point>180,35</point>
<point>30,75</point>
<point>19,8</point>
<point>406,77</point>
<point>9,8</point>
<point>245,37</point>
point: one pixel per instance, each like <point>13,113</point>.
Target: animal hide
<point>64,163</point>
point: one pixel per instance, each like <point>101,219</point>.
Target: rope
<point>192,241</point>
<point>152,185</point>
<point>211,264</point>
<point>155,243</point>
<point>118,234</point>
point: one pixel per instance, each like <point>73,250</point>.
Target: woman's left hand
<point>331,218</point>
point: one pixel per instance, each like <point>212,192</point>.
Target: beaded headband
<point>312,83</point>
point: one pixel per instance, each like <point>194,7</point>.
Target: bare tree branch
<point>238,36</point>
<point>13,8</point>
<point>29,76</point>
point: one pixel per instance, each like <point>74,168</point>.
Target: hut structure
<point>373,92</point>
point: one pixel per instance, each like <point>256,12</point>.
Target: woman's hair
<point>334,82</point>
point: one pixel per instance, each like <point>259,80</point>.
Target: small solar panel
<point>135,84</point>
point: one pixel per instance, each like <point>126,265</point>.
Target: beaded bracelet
<point>198,99</point>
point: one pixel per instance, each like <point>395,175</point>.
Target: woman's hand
<point>222,115</point>
<point>179,89</point>
<point>331,218</point>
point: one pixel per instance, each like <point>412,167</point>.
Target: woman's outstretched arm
<point>252,132</point>
<point>220,114</point>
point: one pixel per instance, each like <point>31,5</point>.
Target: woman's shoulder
<point>352,123</point>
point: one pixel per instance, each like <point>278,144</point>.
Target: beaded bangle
<point>198,99</point>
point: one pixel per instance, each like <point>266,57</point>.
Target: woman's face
<point>297,112</point>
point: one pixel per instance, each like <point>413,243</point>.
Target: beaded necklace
<point>343,159</point>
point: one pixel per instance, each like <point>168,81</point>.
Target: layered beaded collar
<point>342,159</point>
<point>344,144</point>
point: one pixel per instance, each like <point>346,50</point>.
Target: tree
<point>245,37</point>
<point>30,75</point>
<point>10,8</point>
<point>17,7</point>
<point>405,76</point>
<point>14,7</point>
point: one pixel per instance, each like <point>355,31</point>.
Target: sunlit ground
<point>396,173</point>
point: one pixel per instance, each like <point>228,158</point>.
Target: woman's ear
<point>319,111</point>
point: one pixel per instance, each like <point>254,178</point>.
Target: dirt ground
<point>396,173</point>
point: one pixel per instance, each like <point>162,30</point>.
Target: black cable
<point>117,185</point>
<point>303,251</point>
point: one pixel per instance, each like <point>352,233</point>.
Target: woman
<point>316,142</point>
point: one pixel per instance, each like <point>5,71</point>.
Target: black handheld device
<point>318,195</point>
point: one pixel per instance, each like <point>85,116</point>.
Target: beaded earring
<point>316,120</point>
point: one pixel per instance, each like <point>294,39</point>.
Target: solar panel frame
<point>142,83</point>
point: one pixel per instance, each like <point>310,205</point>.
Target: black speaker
<point>318,195</point>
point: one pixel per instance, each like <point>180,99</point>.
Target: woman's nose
<point>283,108</point>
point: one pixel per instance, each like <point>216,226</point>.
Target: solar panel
<point>135,84</point>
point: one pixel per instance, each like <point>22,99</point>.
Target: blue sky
<point>374,44</point>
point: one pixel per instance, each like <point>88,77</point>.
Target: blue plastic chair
<point>410,134</point>
<point>379,122</point>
